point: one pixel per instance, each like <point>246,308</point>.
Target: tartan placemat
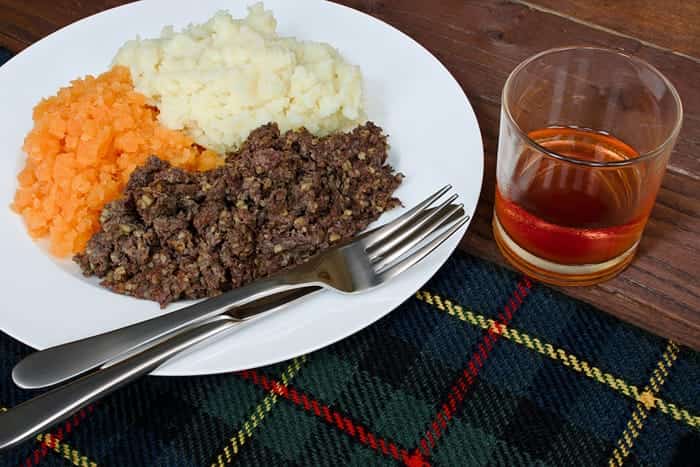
<point>480,367</point>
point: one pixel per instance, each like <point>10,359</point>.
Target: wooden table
<point>480,42</point>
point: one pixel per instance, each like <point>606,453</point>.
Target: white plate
<point>434,140</point>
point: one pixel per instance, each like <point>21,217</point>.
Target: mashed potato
<point>221,79</point>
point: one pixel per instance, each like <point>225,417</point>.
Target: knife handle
<point>66,361</point>
<point>36,415</point>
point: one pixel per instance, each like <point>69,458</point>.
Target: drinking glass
<point>585,137</point>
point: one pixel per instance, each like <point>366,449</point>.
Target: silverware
<point>363,263</point>
<point>25,420</point>
<point>35,415</point>
<point>261,307</point>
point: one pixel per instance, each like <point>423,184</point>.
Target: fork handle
<point>35,415</point>
<point>63,362</point>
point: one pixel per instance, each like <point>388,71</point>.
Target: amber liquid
<point>572,214</point>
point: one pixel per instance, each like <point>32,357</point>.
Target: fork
<point>363,263</point>
<point>409,239</point>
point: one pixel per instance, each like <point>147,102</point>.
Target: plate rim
<point>321,343</point>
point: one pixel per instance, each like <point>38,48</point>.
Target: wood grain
<point>480,42</point>
<point>24,22</point>
<point>670,24</point>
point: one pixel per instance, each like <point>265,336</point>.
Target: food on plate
<point>219,80</point>
<point>276,202</point>
<point>182,97</point>
<point>85,143</point>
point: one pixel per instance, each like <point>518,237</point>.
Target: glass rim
<point>659,149</point>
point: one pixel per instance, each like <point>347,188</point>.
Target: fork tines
<point>412,236</point>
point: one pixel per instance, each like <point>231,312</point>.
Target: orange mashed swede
<point>85,143</point>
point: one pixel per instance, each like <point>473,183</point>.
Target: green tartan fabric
<point>481,367</point>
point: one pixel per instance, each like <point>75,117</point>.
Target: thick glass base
<point>555,273</point>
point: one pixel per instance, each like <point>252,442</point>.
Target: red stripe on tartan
<point>295,396</point>
<point>265,383</point>
<point>363,436</point>
<point>350,428</point>
<point>482,349</point>
<point>423,445</point>
<point>394,451</point>
<point>335,418</point>
<point>476,362</point>
<point>446,408</point>
<point>443,419</point>
<point>329,417</point>
<point>39,453</point>
<point>317,409</point>
<point>464,385</point>
<point>372,441</point>
<point>339,420</point>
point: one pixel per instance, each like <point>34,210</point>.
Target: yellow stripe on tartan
<point>62,448</point>
<point>569,360</point>
<point>257,416</point>
<point>65,450</point>
<point>635,424</point>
